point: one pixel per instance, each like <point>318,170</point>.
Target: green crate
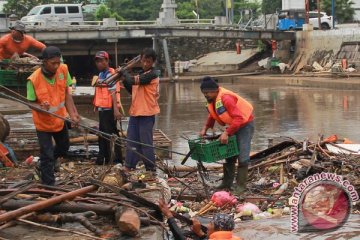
<point>274,62</point>
<point>213,151</point>
<point>13,78</point>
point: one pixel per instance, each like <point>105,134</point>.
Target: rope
<point>100,133</point>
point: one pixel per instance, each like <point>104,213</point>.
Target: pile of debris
<point>88,195</point>
<point>273,175</point>
<point>25,64</point>
<point>99,198</point>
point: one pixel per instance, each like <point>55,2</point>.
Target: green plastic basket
<point>213,151</point>
<point>12,78</point>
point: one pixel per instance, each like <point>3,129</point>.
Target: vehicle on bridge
<point>294,19</point>
<point>325,20</point>
<point>71,13</point>
<point>291,19</point>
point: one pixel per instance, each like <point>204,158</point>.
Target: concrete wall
<point>317,42</point>
<point>184,49</point>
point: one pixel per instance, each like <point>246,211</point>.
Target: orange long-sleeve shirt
<point>8,47</point>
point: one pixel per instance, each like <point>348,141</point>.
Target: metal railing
<point>109,23</point>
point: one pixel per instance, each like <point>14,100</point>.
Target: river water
<point>294,112</point>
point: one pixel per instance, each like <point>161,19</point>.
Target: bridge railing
<point>56,23</point>
<point>196,21</point>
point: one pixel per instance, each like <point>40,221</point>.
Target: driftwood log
<point>71,207</point>
<point>128,221</point>
<point>45,203</point>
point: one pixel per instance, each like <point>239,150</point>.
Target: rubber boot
<point>241,179</point>
<point>229,175</point>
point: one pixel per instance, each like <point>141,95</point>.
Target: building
<point>356,6</point>
<point>293,4</point>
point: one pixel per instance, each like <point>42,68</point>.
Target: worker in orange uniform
<point>144,89</point>
<point>48,87</point>
<point>18,42</point>
<point>107,103</point>
<point>228,108</point>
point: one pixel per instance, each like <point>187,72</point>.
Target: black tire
<point>325,26</point>
<point>291,29</point>
<point>74,23</point>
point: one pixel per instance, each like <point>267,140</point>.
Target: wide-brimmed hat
<point>19,26</point>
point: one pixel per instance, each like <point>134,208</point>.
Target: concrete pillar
<point>167,59</point>
<point>156,48</point>
<point>167,16</point>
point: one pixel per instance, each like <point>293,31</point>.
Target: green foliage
<point>261,46</point>
<point>270,6</point>
<point>20,7</point>
<point>241,5</point>
<point>344,12</point>
<point>209,8</point>
<point>184,10</point>
<point>138,10</point>
<point>102,12</point>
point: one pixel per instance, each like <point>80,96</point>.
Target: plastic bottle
<point>73,84</point>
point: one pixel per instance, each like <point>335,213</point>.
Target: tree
<point>243,5</point>
<point>270,6</point>
<point>20,7</point>
<point>184,10</point>
<point>209,8</point>
<point>104,12</point>
<point>138,10</point>
<point>344,12</point>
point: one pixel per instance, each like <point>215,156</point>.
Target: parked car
<point>326,21</point>
<point>71,13</point>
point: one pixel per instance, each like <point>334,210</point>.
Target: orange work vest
<point>103,98</point>
<point>54,94</point>
<point>220,114</point>
<point>144,98</point>
<point>223,235</point>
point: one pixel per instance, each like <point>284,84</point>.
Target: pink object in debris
<point>247,207</point>
<point>222,197</point>
<point>276,184</point>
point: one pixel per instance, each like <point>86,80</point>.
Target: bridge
<point>79,41</point>
<point>111,30</point>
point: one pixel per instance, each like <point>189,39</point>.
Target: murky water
<point>299,113</point>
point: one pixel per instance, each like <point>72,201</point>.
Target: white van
<point>71,13</point>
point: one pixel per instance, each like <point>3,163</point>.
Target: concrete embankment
<point>326,80</point>
<point>324,47</point>
<point>352,83</point>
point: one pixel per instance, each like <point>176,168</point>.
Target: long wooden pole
<point>45,204</point>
